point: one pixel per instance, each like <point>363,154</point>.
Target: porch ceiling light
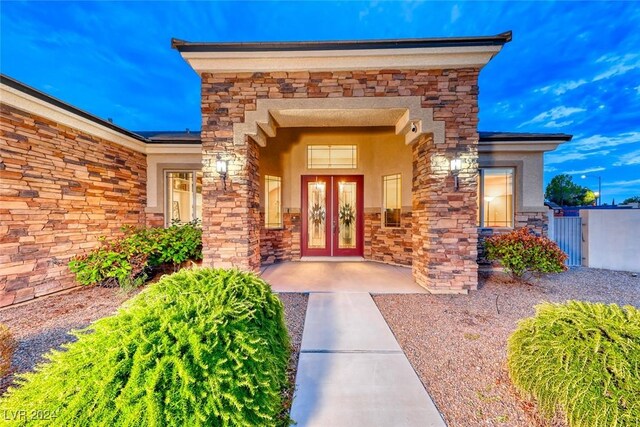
<point>221,168</point>
<point>456,165</point>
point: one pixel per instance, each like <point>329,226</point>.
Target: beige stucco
<point>405,114</point>
<point>157,164</point>
<point>421,58</point>
<point>611,239</point>
<point>380,152</point>
<point>528,177</point>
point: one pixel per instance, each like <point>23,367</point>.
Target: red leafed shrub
<point>521,252</point>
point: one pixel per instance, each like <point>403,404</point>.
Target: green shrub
<point>201,347</point>
<point>581,358</point>
<point>7,348</point>
<point>521,252</point>
<point>127,260</point>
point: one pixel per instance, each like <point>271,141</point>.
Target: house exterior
<point>310,150</point>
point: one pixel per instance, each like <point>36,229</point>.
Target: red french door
<point>332,215</point>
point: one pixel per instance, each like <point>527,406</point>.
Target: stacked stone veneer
<point>61,189</point>
<point>388,245</point>
<point>444,234</point>
<point>282,244</point>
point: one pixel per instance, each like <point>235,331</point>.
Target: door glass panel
<point>317,196</point>
<point>347,215</point>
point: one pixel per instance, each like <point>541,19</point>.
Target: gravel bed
<point>457,343</point>
<point>295,310</point>
<point>44,324</point>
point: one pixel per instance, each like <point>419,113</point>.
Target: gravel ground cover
<point>295,310</point>
<point>44,324</point>
<point>457,343</point>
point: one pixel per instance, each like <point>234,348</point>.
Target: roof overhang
<point>495,142</point>
<point>30,100</point>
<point>432,53</point>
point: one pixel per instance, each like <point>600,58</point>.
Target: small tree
<point>521,253</point>
<point>563,191</point>
<point>634,199</point>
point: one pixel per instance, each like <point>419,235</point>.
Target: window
<point>391,200</point>
<point>184,196</point>
<point>272,201</point>
<point>332,156</point>
<point>495,197</point>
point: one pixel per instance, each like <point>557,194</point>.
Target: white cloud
<point>583,171</point>
<point>560,88</point>
<point>550,169</point>
<point>596,142</point>
<point>555,114</point>
<point>637,88</point>
<point>556,157</point>
<point>455,13</point>
<point>623,183</point>
<point>554,124</point>
<point>621,65</point>
<point>632,158</point>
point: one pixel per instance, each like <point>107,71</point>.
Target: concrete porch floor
<point>326,276</point>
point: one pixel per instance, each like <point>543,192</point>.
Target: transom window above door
<point>184,196</point>
<point>332,156</point>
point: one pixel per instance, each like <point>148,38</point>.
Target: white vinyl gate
<point>567,233</point>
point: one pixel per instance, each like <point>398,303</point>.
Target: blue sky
<point>572,67</point>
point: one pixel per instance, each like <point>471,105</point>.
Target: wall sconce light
<point>456,165</point>
<point>221,168</point>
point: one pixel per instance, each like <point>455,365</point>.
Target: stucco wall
<point>61,190</point>
<point>611,239</point>
<point>380,152</point>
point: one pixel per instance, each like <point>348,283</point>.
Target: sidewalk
<point>352,371</point>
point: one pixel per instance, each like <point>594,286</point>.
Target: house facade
<point>315,150</point>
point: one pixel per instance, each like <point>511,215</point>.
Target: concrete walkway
<point>352,371</point>
<point>363,276</point>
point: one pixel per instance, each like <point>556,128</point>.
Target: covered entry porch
<point>252,93</point>
<point>342,276</point>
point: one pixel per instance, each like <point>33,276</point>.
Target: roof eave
<point>496,40</point>
<point>435,53</point>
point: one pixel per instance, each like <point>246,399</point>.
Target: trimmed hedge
<point>582,359</point>
<point>201,347</point>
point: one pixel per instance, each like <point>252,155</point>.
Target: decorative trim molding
<point>260,123</point>
<point>515,146</point>
<point>33,105</point>
<point>423,58</point>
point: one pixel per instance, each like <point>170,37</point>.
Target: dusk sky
<point>572,67</point>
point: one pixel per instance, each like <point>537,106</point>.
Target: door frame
<point>331,216</point>
<point>306,179</point>
<point>359,249</point>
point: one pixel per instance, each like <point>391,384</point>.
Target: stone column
<point>231,218</point>
<point>444,221</point>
